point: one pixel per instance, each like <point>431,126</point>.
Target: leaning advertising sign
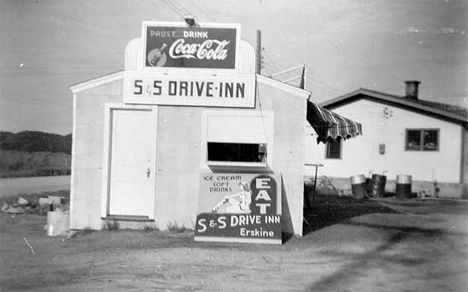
<point>177,45</point>
<point>239,207</point>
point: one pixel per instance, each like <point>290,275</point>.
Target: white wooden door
<point>132,176</point>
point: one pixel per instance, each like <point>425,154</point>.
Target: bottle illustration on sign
<point>157,57</point>
<point>238,203</point>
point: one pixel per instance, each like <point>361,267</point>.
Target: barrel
<point>359,186</point>
<point>377,187</point>
<point>403,186</point>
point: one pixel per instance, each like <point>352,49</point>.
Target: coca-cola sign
<point>182,46</point>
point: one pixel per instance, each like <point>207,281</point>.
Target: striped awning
<point>329,125</point>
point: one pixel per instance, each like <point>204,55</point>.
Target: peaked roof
<point>95,82</point>
<point>450,112</point>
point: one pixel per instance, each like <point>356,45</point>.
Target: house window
<point>237,152</point>
<point>422,140</point>
<point>333,149</point>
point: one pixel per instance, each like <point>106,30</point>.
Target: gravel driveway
<point>345,248</point>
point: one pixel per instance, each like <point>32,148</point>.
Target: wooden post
<point>258,57</point>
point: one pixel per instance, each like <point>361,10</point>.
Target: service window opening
<point>237,152</point>
<point>237,138</point>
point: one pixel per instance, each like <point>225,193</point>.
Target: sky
<point>46,46</point>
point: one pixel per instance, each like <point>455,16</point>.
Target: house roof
<point>451,112</point>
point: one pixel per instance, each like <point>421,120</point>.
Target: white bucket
<point>57,223</point>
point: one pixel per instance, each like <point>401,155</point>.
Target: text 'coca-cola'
<point>209,50</point>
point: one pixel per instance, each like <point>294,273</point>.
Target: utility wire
<point>330,87</point>
<point>272,68</point>
<point>169,4</point>
<point>269,69</point>
<point>174,8</point>
<point>317,83</point>
<point>202,11</point>
<point>182,7</point>
<point>268,62</point>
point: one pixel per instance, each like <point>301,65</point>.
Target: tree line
<point>34,141</point>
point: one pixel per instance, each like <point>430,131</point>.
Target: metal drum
<point>359,186</point>
<point>403,186</point>
<point>377,187</point>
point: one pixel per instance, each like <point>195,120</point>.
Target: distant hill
<point>33,141</point>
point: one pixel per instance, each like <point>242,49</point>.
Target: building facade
<point>403,136</point>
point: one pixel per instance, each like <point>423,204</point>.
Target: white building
<point>143,138</point>
<point>402,135</point>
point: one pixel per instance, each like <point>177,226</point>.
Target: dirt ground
<point>378,245</point>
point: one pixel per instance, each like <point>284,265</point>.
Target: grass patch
<point>36,172</point>
<point>174,227</point>
<point>150,228</point>
<point>87,230</point>
<point>81,232</point>
<point>110,225</point>
<point>29,164</point>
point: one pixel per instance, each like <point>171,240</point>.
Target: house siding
<point>464,163</point>
<point>290,118</point>
<point>87,156</point>
<point>361,155</point>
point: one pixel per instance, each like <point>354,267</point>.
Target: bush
<point>174,227</point>
<point>110,225</point>
<point>150,228</point>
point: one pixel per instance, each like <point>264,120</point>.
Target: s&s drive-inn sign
<point>239,207</point>
<point>190,65</point>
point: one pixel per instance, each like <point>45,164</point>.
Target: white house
<point>402,135</point>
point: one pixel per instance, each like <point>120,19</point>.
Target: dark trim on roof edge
<point>395,101</point>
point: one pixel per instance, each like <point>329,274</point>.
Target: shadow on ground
<point>381,256</point>
<point>430,206</point>
<point>327,210</point>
